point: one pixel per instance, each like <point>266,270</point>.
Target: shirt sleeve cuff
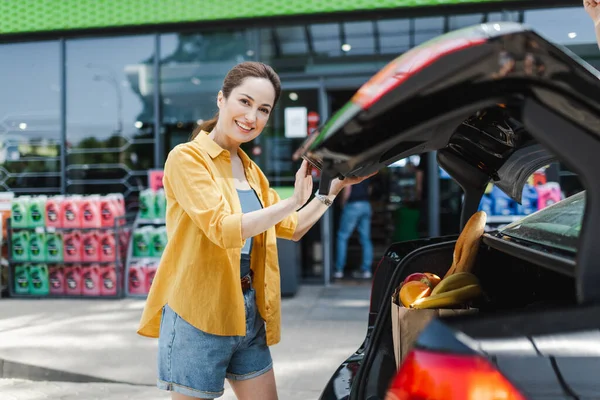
<point>287,227</point>
<point>232,231</point>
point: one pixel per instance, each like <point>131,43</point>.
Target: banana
<point>455,281</point>
<point>453,298</point>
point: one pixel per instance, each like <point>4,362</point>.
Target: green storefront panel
<point>22,16</point>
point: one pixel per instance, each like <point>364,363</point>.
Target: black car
<point>496,102</point>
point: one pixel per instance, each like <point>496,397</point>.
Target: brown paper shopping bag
<point>407,324</point>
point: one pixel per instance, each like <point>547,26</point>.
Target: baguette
<point>467,244</point>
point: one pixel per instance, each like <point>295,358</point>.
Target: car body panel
<point>545,357</point>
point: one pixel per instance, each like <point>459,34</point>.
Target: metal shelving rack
<point>131,259</point>
<point>118,228</point>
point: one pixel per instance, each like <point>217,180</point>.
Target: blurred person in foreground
<point>214,303</point>
<point>593,9</point>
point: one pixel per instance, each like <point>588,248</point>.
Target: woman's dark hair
<point>235,77</point>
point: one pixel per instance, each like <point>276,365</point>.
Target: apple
<point>418,277</point>
<point>433,278</point>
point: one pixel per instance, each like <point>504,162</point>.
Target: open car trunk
<point>496,102</point>
<point>515,290</point>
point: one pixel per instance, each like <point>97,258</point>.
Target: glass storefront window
<point>110,131</point>
<point>513,16</point>
<point>30,139</point>
<point>326,39</point>
<point>278,142</point>
<point>192,69</point>
<point>566,26</point>
<point>293,40</point>
<point>428,28</point>
<point>394,36</point>
<point>462,21</point>
<point>360,38</point>
<point>325,47</point>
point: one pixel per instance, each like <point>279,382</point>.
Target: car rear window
<point>556,226</point>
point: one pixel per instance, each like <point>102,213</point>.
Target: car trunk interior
<point>511,286</point>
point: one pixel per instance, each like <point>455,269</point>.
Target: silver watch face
<point>324,199</point>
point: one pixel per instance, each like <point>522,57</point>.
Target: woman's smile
<point>244,127</point>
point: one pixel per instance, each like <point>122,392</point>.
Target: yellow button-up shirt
<point>199,272</point>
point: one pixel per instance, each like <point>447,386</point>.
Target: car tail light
<point>433,376</point>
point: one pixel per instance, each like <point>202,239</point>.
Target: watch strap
<point>323,199</point>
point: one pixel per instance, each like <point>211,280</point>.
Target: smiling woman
<point>239,80</point>
<point>214,303</point>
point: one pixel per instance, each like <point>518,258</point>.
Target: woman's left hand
<point>338,184</point>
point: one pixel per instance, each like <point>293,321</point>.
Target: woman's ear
<point>220,99</point>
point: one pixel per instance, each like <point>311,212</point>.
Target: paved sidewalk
<point>320,328</point>
<point>17,389</point>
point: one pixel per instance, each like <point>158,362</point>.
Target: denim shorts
<point>195,363</point>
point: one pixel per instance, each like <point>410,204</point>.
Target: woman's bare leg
<point>262,387</point>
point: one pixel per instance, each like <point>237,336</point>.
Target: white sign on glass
<point>296,122</point>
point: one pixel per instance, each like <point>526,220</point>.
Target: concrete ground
<point>88,349</point>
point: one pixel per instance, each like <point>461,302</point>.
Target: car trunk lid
<point>496,101</point>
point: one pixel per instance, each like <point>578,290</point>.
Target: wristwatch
<point>323,199</point>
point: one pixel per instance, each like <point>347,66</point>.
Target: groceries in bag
<point>423,296</point>
<point>459,285</point>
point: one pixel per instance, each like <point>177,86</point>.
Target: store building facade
<point>95,94</point>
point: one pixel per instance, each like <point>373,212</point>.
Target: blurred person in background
<point>356,214</point>
<point>214,304</point>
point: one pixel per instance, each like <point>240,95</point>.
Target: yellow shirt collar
<point>213,149</point>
